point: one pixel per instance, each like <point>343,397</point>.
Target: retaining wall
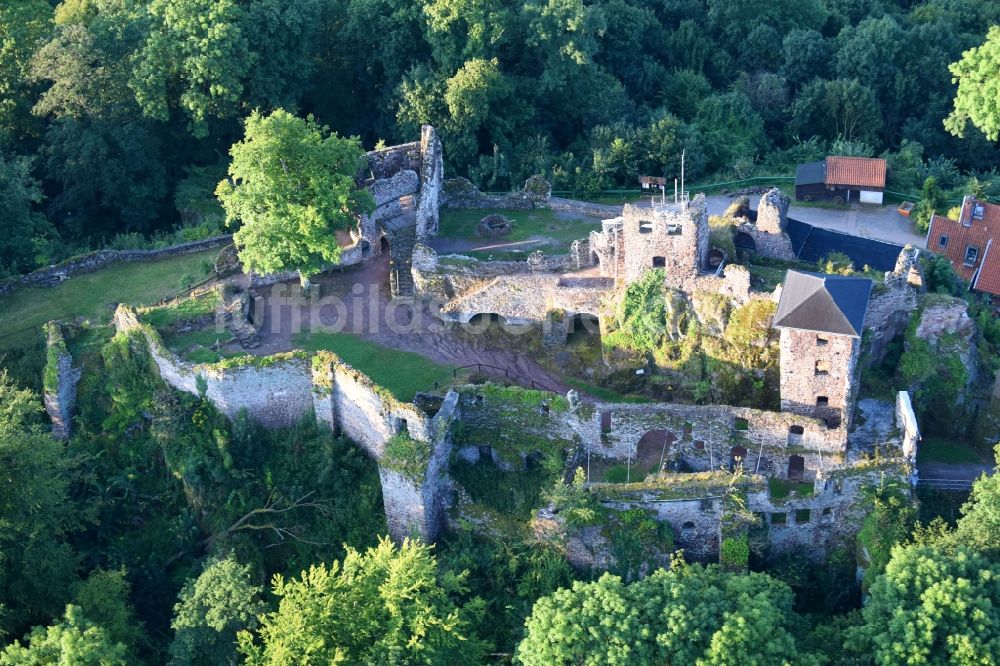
<point>88,263</point>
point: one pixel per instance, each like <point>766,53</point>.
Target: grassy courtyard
<point>403,373</point>
<point>556,229</point>
<point>94,295</point>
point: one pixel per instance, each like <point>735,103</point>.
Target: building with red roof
<point>841,179</point>
<point>972,242</point>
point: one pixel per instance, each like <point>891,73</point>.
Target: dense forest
<point>117,115</point>
<point>162,532</point>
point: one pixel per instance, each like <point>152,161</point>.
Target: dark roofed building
<point>821,318</point>
<point>823,303</point>
<point>810,181</point>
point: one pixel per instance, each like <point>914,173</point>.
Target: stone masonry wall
<point>431,178</point>
<point>675,239</point>
<point>892,304</point>
<point>59,383</point>
<point>276,391</point>
<point>815,365</point>
<point>95,260</point>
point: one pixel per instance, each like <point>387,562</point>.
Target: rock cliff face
<point>947,328</point>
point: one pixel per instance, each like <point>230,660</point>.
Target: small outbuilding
<point>841,180</point>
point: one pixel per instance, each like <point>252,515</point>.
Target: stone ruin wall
<point>431,179</point>
<point>769,232</point>
<point>801,378</point>
<point>892,304</point>
<point>60,399</point>
<point>704,437</point>
<point>53,275</point>
<point>676,239</point>
<point>277,391</point>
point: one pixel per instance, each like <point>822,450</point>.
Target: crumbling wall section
<point>674,238</point>
<point>431,179</point>
<point>93,261</point>
<point>892,303</point>
<point>276,391</point>
<point>461,193</point>
<point>59,382</point>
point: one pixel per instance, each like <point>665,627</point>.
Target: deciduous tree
<point>292,187</point>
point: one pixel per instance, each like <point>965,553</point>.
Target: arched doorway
<point>366,250</point>
<point>652,451</point>
<point>384,246</point>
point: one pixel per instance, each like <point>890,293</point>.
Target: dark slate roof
<point>811,244</point>
<point>810,173</point>
<point>823,303</point>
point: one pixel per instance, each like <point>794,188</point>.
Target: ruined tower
<point>671,236</point>
<point>821,318</point>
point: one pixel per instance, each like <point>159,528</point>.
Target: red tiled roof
<point>988,279</point>
<point>855,172</point>
<point>971,232</point>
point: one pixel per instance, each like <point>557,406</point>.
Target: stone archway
<point>583,328</point>
<point>653,450</point>
<point>385,247</point>
<point>366,250</point>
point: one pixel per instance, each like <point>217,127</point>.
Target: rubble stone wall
<point>88,263</point>
<point>59,384</point>
<point>675,239</point>
<point>431,178</point>
<point>276,391</point>
<point>815,365</point>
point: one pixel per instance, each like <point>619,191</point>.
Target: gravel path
<point>356,301</point>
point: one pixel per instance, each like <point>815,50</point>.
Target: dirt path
<point>357,301</point>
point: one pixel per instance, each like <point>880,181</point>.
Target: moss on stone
<point>407,456</point>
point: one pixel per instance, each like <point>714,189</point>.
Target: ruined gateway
<point>821,322</point>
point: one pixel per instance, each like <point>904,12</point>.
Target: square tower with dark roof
<point>821,318</point>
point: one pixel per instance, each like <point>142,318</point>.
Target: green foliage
<point>74,640</point>
<point>931,202</point>
<point>386,603</point>
<point>508,575</point>
<point>642,314</point>
<point>888,524</point>
<point>25,24</point>
<point>291,187</point>
<point>688,614</point>
<point>517,493</point>
<point>735,551</point>
<point>26,233</point>
<point>940,276</point>
<point>977,74</point>
<point>639,542</point>
<point>407,456</point>
<point>933,606</point>
<point>36,513</point>
<point>836,263</point>
<point>210,610</point>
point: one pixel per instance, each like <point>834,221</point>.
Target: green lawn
<point>402,373</point>
<point>561,228</point>
<point>605,394</point>
<point>782,488</point>
<point>93,295</point>
<point>184,309</point>
<point>938,449</point>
